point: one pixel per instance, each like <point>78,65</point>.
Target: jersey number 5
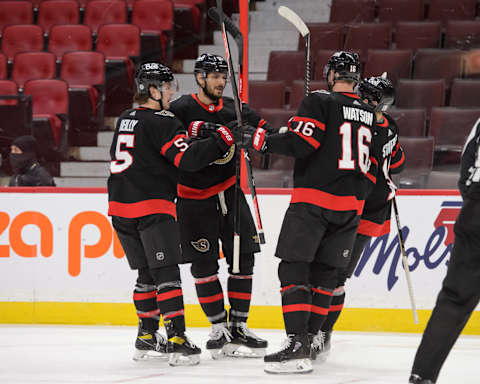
<point>364,136</point>
<point>123,158</point>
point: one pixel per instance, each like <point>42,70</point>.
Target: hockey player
<point>330,138</point>
<point>148,146</point>
<point>380,94</point>
<point>205,214</point>
<point>460,291</point>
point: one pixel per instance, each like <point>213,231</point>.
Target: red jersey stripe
<point>370,177</point>
<point>142,208</point>
<point>180,312</point>
<point>327,200</point>
<point>169,295</point>
<point>239,295</point>
<point>178,158</point>
<point>167,145</point>
<point>369,228</point>
<point>211,299</point>
<point>317,123</point>
<point>399,162</point>
<point>335,308</point>
<point>209,107</point>
<point>144,295</point>
<point>296,308</point>
<point>200,194</point>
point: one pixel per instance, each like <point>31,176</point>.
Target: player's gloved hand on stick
<point>245,135</point>
<point>222,134</point>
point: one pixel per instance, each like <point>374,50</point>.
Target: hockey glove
<point>202,128</point>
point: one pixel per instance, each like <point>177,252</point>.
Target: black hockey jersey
<point>220,175</point>
<point>386,149</point>
<point>330,136</point>
<point>147,147</point>
<point>469,183</point>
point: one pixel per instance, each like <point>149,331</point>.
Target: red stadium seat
<point>3,66</point>
<point>286,65</point>
<point>418,161</point>
<point>8,88</point>
<point>15,12</point>
<point>50,113</point>
<point>21,38</point>
<point>442,180</point>
<point>393,10</point>
<point>396,62</point>
<point>99,12</point>
<point>420,94</point>
<point>323,36</point>
<point>445,10</point>
<point>410,122</point>
<point>360,37</point>
<point>465,93</point>
<point>438,64</point>
<point>266,94</point>
<point>352,11</point>
<point>155,20</point>
<point>414,35</point>
<point>85,73</point>
<point>462,34</point>
<point>119,43</point>
<point>33,65</point>
<point>298,91</point>
<point>53,12</point>
<point>277,117</point>
<point>66,38</point>
<point>321,60</point>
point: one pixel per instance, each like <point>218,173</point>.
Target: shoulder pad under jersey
<point>163,112</point>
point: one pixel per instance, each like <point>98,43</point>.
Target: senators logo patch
<point>226,157</point>
<point>201,245</point>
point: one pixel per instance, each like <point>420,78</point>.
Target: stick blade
<point>293,18</point>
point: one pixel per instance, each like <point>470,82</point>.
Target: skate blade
<point>289,366</point>
<point>141,355</point>
<point>322,357</point>
<point>240,350</point>
<point>178,359</point>
<point>218,354</point>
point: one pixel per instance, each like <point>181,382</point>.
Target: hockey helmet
<point>377,89</point>
<point>152,74</point>
<point>207,63</point>
<point>345,64</point>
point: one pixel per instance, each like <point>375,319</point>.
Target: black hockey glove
<point>246,135</point>
<point>201,128</point>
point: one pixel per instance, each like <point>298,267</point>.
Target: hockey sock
<point>170,303</point>
<point>239,296</point>
<point>335,309</point>
<point>144,298</point>
<point>296,305</point>
<point>321,298</point>
<point>210,297</point>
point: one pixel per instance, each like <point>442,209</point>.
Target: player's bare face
<point>215,84</point>
<point>168,90</point>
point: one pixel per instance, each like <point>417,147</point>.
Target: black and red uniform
<point>147,149</point>
<point>205,215</point>
<point>330,137</point>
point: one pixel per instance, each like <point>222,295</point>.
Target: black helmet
<point>345,64</point>
<point>207,63</point>
<point>152,73</point>
<point>378,89</point>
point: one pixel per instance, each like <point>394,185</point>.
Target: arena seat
<point>57,12</point>
<point>8,88</point>
<point>321,59</point>
<point>323,36</point>
<point>360,37</point>
<point>120,43</point>
<point>443,179</point>
<point>15,12</point>
<point>298,91</point>
<point>66,38</point>
<point>465,93</point>
<point>445,10</point>
<point>266,94</point>
<point>462,34</point>
<point>352,11</point>
<point>410,122</point>
<point>415,35</point>
<point>99,12</point>
<point>394,11</point>
<point>420,94</point>
<point>287,66</point>
<point>33,65</point>
<point>396,62</point>
<point>438,64</point>
<point>3,66</point>
<point>418,162</point>
<point>21,38</point>
<point>276,117</point>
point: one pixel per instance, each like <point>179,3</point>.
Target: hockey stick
<point>238,113</point>
<point>293,18</point>
<point>237,35</point>
<point>405,263</point>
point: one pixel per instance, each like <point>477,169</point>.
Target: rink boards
<point>60,262</point>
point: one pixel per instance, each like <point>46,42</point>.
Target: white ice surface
<point>99,354</point>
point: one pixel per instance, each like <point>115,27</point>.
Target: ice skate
<point>415,379</point>
<point>320,344</point>
<point>294,357</point>
<point>244,342</point>
<point>150,345</point>
<point>219,338</point>
<point>182,351</point>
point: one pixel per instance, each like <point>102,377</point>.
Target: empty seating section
<point>419,163</point>
<point>445,10</point>
<point>53,12</point>
<point>414,35</point>
<point>462,34</point>
<point>407,10</point>
<point>21,38</point>
<point>266,94</point>
<point>99,12</point>
<point>323,36</point>
<point>465,93</point>
<point>360,37</point>
<point>66,38</point>
<point>352,11</point>
<point>3,66</point>
<point>410,122</point>
<point>396,62</point>
<point>420,93</point>
<point>438,64</point>
<point>8,88</point>
<point>33,65</point>
<point>15,12</point>
<point>287,66</point>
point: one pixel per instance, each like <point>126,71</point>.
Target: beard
<point>209,93</point>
